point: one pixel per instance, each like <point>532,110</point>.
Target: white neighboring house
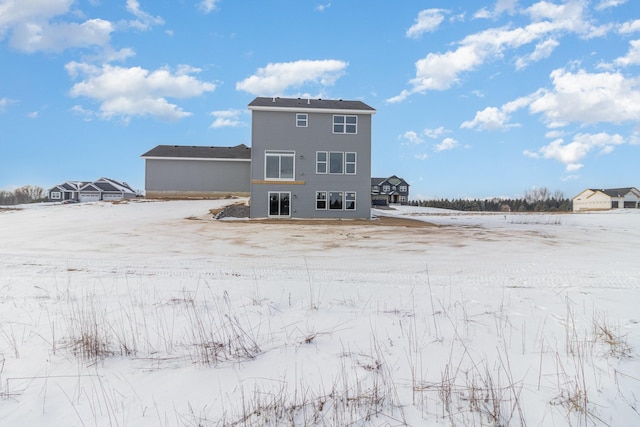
<point>605,199</point>
<point>91,191</point>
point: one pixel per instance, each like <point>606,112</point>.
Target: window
<point>56,195</point>
<point>350,201</point>
<point>335,200</point>
<point>345,124</point>
<point>375,189</point>
<point>321,162</point>
<point>321,200</point>
<point>403,188</point>
<point>386,188</point>
<point>279,203</point>
<point>279,165</point>
<point>302,119</point>
<point>350,163</point>
<point>403,199</point>
<point>336,162</point>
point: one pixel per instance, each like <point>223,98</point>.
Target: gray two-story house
<point>310,158</point>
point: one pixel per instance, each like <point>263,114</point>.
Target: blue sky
<point>473,98</point>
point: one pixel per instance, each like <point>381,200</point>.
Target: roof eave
<point>209,159</point>
<point>302,109</point>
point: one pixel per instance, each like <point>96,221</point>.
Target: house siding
<point>594,200</point>
<point>276,130</point>
<point>175,178</point>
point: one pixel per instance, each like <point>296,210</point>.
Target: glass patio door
<point>279,204</point>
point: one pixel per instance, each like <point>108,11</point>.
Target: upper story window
<point>386,188</point>
<point>350,163</point>
<point>302,120</point>
<point>335,162</point>
<point>345,124</point>
<point>321,161</point>
<point>375,189</point>
<point>279,165</point>
<point>403,189</point>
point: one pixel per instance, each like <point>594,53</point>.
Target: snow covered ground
<point>154,314</point>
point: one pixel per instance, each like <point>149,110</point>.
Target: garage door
<point>89,197</point>
<point>111,197</point>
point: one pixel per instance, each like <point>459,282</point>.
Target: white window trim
<point>403,189</point>
<point>355,201</point>
<point>344,124</point>
<point>326,201</point>
<point>56,195</point>
<point>329,163</point>
<point>326,163</point>
<point>291,154</point>
<point>386,188</point>
<point>342,194</point>
<point>355,163</point>
<point>269,201</point>
<point>298,120</point>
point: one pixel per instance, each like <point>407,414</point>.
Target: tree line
<point>535,200</point>
<point>22,195</point>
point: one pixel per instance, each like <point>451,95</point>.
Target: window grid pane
<point>335,200</point>
<point>336,162</point>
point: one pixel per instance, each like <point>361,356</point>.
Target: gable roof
<point>308,104</point>
<point>393,180</point>
<point>614,192</point>
<point>239,152</point>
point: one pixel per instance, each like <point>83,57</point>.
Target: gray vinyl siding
<point>172,177</point>
<point>275,130</point>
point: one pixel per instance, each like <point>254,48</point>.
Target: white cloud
<point>208,6</point>
<point>574,167</point>
<point>493,118</point>
<point>322,7</point>
<point>582,144</point>
<point>226,118</point>
<point>412,137</point>
<point>629,27</point>
<point>145,21</point>
<point>501,7</point>
<point>58,37</point>
<point>605,4</point>
<point>423,156</point>
<point>129,92</point>
<point>589,98</point>
<point>38,25</point>
<point>543,50</point>
<point>435,133</point>
<point>5,102</point>
<point>32,115</point>
<point>428,20</point>
<point>439,71</point>
<point>632,57</point>
<point>277,78</point>
<point>447,144</point>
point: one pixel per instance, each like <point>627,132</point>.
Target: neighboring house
<point>86,191</point>
<point>385,191</point>
<point>176,171</point>
<point>310,158</point>
<point>605,199</point>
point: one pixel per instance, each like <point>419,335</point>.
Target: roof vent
<point>308,101</point>
<point>274,99</point>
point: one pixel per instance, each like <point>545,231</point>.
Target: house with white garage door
<point>179,171</point>
<point>593,199</point>
<point>106,189</point>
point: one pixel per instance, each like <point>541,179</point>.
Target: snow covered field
<point>154,314</point>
